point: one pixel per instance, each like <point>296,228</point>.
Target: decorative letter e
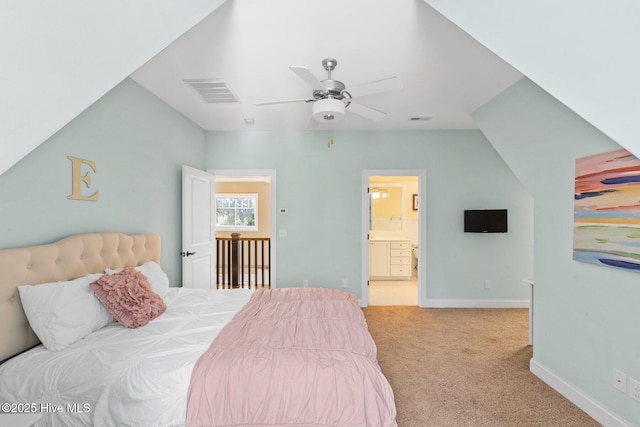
<point>77,179</point>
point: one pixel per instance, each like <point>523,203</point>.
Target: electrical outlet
<point>620,380</point>
<point>634,389</point>
<point>345,283</point>
<point>487,284</point>
<point>305,283</point>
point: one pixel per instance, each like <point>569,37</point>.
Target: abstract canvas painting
<point>607,210</point>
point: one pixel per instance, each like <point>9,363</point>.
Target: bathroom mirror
<point>386,207</point>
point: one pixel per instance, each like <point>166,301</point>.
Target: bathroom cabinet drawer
<point>401,252</point>
<point>400,260</point>
<point>401,270</point>
<point>401,245</point>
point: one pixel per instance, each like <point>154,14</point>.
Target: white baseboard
<point>477,303</point>
<point>577,397</point>
<point>470,303</point>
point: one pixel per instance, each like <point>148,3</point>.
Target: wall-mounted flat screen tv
<point>485,221</point>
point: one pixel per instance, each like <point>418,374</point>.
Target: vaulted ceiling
<point>59,57</point>
<point>249,45</point>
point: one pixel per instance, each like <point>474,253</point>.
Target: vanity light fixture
<point>377,193</point>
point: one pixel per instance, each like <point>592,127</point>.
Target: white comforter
<point>124,377</point>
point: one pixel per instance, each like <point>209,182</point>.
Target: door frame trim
<point>272,197</point>
<point>422,229</point>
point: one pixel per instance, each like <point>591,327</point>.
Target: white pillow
<point>61,313</point>
<point>157,278</point>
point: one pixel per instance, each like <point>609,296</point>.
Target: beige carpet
<point>465,367</point>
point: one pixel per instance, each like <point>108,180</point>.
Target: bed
<point>225,357</point>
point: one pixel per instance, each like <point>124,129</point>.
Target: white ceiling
<point>250,44</point>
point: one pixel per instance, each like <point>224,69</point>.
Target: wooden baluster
<point>255,263</point>
<point>234,259</point>
<point>218,258</point>
<point>240,263</point>
<point>249,264</point>
<point>262,261</point>
<point>228,259</point>
<point>269,258</point>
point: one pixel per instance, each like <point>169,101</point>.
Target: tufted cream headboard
<point>66,259</point>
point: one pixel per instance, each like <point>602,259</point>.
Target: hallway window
<point>236,212</point>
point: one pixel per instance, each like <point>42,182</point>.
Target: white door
<point>198,229</point>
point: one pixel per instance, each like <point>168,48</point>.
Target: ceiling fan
<point>331,98</point>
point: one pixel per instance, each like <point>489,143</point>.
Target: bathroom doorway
<point>394,228</point>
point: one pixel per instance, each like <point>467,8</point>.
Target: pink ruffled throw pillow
<point>129,298</point>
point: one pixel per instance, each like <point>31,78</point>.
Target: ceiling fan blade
<point>308,77</point>
<point>286,101</point>
<point>366,112</point>
<point>385,85</point>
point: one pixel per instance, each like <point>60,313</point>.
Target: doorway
<point>394,224</point>
<point>260,185</point>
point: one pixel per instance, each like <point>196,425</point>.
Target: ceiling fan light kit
<point>328,110</point>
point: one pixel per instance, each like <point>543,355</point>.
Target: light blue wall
<point>322,186</point>
<point>586,316</point>
<point>138,144</point>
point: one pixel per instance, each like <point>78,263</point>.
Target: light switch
<point>282,233</point>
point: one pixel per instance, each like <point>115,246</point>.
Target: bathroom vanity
<point>389,259</point>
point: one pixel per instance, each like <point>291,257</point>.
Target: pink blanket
<point>292,357</point>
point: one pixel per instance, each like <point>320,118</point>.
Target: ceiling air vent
<point>213,91</point>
